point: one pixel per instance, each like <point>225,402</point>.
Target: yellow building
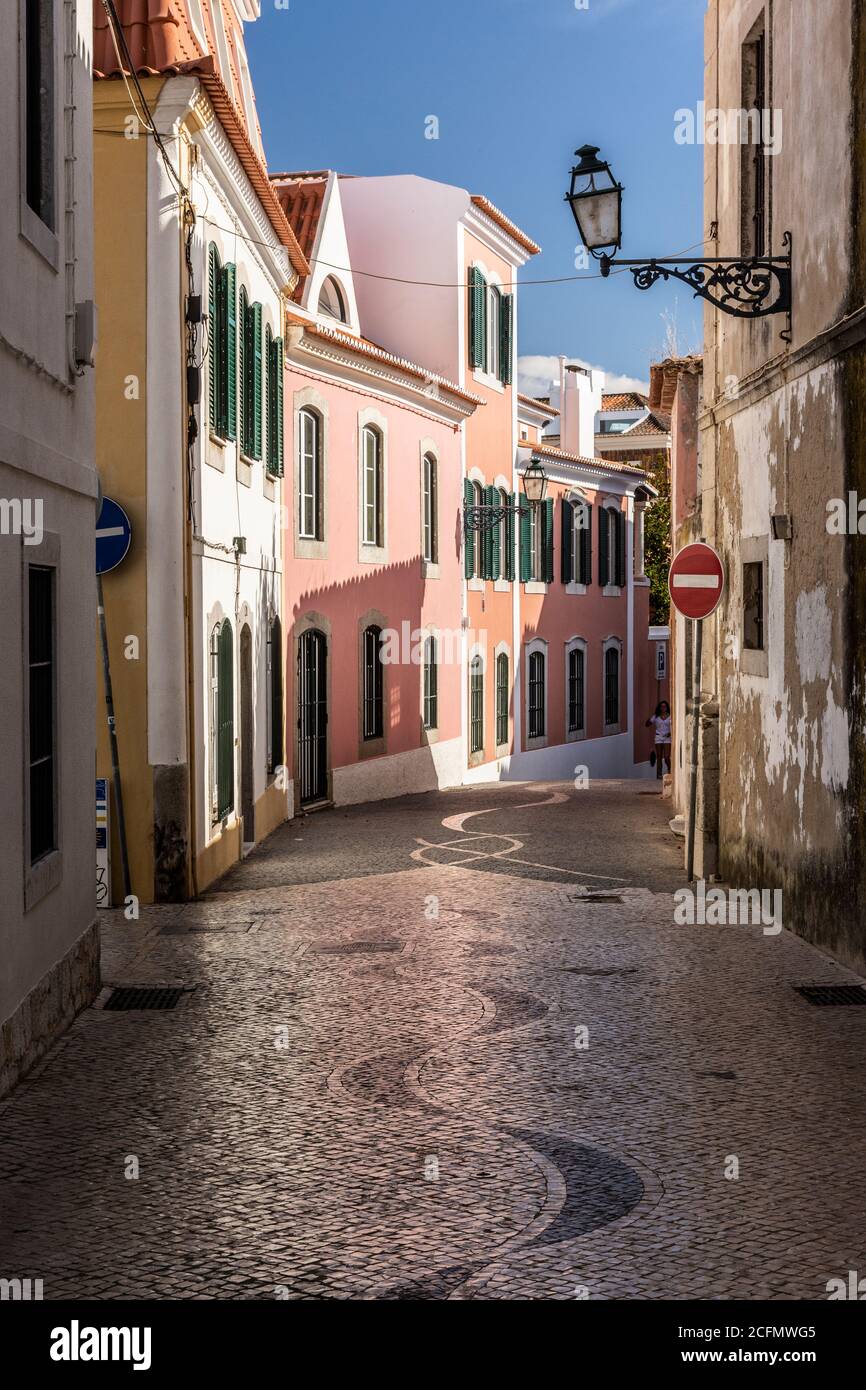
<point>193,612</point>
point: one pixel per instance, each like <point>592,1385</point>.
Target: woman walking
<point>662,723</point>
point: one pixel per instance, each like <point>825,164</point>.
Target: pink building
<point>451,261</point>
<point>372,553</point>
<point>586,658</point>
<point>423,653</point>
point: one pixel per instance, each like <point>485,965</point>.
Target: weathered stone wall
<point>784,431</point>
<point>49,1008</point>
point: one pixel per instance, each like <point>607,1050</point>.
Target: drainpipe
<point>630,632</point>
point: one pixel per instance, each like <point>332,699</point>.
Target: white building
<point>48,938</point>
<point>198,314</point>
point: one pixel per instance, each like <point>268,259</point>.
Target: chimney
<point>580,400</point>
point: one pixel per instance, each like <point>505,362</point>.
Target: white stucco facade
<point>48,945</point>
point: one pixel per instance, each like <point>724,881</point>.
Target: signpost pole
<point>112,735</point>
<point>697,634</point>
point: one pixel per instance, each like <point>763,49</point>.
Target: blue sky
<point>516,86</point>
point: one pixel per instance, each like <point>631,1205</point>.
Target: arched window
<point>374,724</point>
<point>576,690</point>
<point>310,510</point>
<point>275,695</point>
<point>222,730</point>
<point>611,686</point>
<point>371,500</point>
<point>431,685</point>
<point>476,705</point>
<point>430,523</point>
<point>332,301</point>
<point>536,695</point>
<point>502,699</point>
<point>611,537</point>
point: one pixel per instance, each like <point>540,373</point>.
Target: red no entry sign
<point>695,580</point>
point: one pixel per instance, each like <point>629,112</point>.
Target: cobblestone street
<point>374,1089</point>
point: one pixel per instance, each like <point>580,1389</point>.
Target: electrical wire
<point>405,280</point>
<point>119,41</point>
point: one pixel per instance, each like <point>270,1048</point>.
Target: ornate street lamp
<point>745,287</point>
<point>595,198</point>
<point>488,515</point>
<point>534,482</point>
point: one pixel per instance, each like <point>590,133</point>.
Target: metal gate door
<point>312,716</point>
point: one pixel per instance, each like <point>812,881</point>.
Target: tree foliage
<point>657,549</point>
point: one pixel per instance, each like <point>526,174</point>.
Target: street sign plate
<point>113,536</point>
<point>696,580</point>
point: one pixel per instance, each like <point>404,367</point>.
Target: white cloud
<point>539,376</point>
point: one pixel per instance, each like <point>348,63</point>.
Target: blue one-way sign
<point>113,536</point>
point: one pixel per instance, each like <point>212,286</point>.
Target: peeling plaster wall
<point>789,437</point>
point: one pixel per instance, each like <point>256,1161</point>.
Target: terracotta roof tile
<point>158,35</point>
<point>160,40</point>
<point>493,212</point>
<point>601,464</point>
<point>652,424</point>
<point>623,400</point>
<point>302,197</point>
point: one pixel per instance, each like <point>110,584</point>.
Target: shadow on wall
<point>397,599</point>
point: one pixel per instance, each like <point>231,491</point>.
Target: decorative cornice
<point>447,404</point>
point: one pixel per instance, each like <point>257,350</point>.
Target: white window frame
<point>429,499</point>
<point>309,472</point>
<point>342,301</point>
<point>371,502</point>
<point>372,549</point>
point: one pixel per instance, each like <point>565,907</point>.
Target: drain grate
<point>128,997</point>
<point>353,948</point>
<point>832,994</point>
<point>594,898</point>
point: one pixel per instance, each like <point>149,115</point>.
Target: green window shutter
<point>270,401</point>
<point>620,549</point>
<point>213,322</point>
<point>490,501</point>
<point>243,370</point>
<point>226,717</point>
<point>506,334</point>
<point>567,529</point>
<point>477,318</point>
<point>602,546</point>
<point>496,539</point>
<point>277,374</point>
<point>468,536</point>
<point>509,538</point>
<point>525,549</point>
<point>230,384</point>
<point>548,541</point>
<point>586,548</point>
<point>255,431</point>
